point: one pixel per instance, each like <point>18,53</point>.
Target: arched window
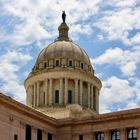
<point>56,96</point>
<point>69,96</point>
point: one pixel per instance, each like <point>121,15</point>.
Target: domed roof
<point>63,49</point>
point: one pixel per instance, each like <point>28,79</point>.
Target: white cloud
<point>118,91</point>
<point>39,20</point>
<point>125,60</point>
<point>10,63</point>
<point>117,24</point>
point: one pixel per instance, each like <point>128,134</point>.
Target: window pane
<point>134,133</point>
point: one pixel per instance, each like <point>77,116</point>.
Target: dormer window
<point>70,63</point>
<point>82,66</point>
<point>57,63</point>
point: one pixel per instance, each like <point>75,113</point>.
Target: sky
<point>108,30</point>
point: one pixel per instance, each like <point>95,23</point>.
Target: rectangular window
<point>70,63</point>
<point>28,132</point>
<point>115,135</point>
<point>57,63</point>
<point>56,96</point>
<point>99,136</point>
<point>15,137</point>
<point>82,66</point>
<point>39,134</point>
<point>69,96</point>
<point>132,134</point>
<point>49,136</point>
<point>80,137</point>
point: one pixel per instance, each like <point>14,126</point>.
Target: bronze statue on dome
<point>63,16</point>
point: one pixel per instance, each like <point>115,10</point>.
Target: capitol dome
<point>62,78</point>
<point>63,49</point>
<point>63,52</point>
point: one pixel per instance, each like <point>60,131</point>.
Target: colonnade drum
<point>63,75</point>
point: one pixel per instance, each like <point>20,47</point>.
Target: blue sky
<point>109,31</point>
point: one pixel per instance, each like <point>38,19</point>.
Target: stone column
<point>81,92</point>
<point>34,94</point>
<point>89,95</point>
<point>29,97</point>
<point>61,91</point>
<point>66,91</point>
<point>107,135</point>
<point>97,100</point>
<point>94,98</point>
<point>38,97</point>
<point>50,91</point>
<point>123,134</point>
<point>76,91</point>
<point>46,91</point>
<point>32,99</point>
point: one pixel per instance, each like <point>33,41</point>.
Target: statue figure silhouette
<point>63,16</point>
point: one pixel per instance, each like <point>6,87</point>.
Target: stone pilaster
<point>61,90</point>
<point>76,91</point>
<point>50,91</point>
<point>97,100</point>
<point>81,92</point>
<point>89,95</point>
<point>38,93</point>
<point>66,91</point>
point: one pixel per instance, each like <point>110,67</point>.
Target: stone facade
<point>14,117</point>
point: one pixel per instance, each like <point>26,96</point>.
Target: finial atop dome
<point>63,29</point>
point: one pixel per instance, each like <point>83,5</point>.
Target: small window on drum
<point>70,63</point>
<point>57,63</point>
<point>82,66</point>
